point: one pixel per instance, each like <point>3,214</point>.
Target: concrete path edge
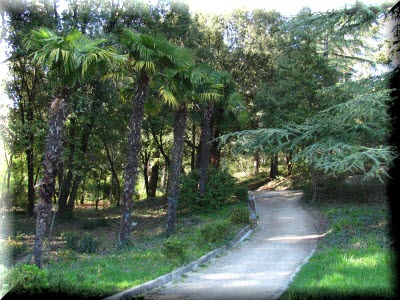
<point>160,281</point>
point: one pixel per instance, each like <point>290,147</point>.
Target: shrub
<point>87,244</point>
<point>174,249</point>
<point>93,223</point>
<point>242,194</point>
<point>13,248</point>
<point>27,279</point>
<point>215,232</point>
<point>71,239</point>
<point>220,187</point>
<point>240,215</point>
<point>80,243</point>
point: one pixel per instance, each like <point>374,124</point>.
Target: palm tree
<point>148,55</point>
<point>192,85</point>
<point>69,60</point>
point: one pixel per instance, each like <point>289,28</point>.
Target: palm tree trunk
<point>53,154</point>
<point>205,147</point>
<point>176,163</point>
<point>134,143</point>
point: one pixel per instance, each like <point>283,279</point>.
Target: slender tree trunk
<point>52,156</point>
<point>66,180</point>
<point>115,176</point>
<point>154,176</point>
<point>256,162</point>
<point>193,152</point>
<point>176,163</point>
<point>164,179</point>
<point>134,143</point>
<point>289,163</point>
<point>31,183</point>
<point>215,151</point>
<point>205,147</point>
<point>273,173</point>
<point>145,160</point>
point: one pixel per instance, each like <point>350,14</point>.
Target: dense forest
<point>112,101</point>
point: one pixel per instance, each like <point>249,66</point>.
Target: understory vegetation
<point>355,258</point>
<point>83,260</point>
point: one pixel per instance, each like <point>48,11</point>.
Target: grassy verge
<point>354,259</point>
<point>112,269</point>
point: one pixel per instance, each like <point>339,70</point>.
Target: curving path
<point>260,267</point>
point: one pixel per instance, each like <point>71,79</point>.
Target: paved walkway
<point>260,267</point>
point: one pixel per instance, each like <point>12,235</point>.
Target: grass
<point>354,259</point>
<point>113,269</point>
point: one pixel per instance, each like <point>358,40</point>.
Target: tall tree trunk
<point>215,151</point>
<point>134,143</point>
<point>66,180</point>
<point>52,156</point>
<point>256,162</point>
<point>31,181</point>
<point>273,173</point>
<point>80,168</point>
<point>145,161</point>
<point>193,152</point>
<point>289,162</point>
<point>154,176</point>
<point>176,163</point>
<point>205,146</point>
<point>164,180</point>
<point>114,173</point>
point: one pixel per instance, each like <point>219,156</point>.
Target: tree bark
<point>52,156</point>
<point>256,162</point>
<point>154,176</point>
<point>134,143</point>
<point>215,151</point>
<point>289,163</point>
<point>176,163</point>
<point>145,161</point>
<point>205,147</point>
<point>273,173</point>
<point>114,173</point>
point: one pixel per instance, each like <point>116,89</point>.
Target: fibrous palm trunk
<point>51,161</point>
<point>134,143</point>
<point>205,147</point>
<point>176,163</point>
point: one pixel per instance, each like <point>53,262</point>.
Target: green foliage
<point>14,247</point>
<point>27,279</point>
<point>215,232</point>
<point>80,243</point>
<point>240,215</point>
<point>174,249</point>
<point>347,137</point>
<point>242,194</point>
<point>220,187</point>
<point>94,223</point>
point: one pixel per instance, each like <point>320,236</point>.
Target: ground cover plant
<point>354,258</point>
<point>88,264</point>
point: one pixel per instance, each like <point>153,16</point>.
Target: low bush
<point>94,223</point>
<point>220,187</point>
<point>215,232</point>
<point>13,248</point>
<point>27,279</point>
<point>174,249</point>
<point>239,215</point>
<point>242,194</point>
<point>80,243</point>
